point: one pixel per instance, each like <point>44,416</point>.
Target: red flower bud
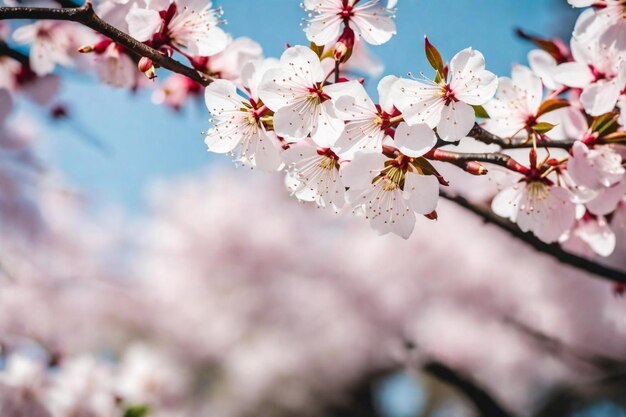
<point>475,168</point>
<point>146,66</point>
<point>344,45</point>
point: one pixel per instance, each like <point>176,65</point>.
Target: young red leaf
<point>551,105</point>
<point>433,56</point>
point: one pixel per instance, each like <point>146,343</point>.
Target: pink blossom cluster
<point>216,316</point>
<point>340,149</point>
<point>306,114</point>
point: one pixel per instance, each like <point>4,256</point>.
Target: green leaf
<point>615,137</point>
<point>140,410</point>
<point>433,56</point>
<point>424,167</point>
<point>480,112</point>
<point>603,123</point>
<point>543,127</point>
<point>551,105</point>
<point>319,50</point>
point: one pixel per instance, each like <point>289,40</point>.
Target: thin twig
<point>552,249</point>
<point>86,16</point>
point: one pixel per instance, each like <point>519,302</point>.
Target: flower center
<point>448,94</point>
<point>392,178</point>
<point>537,191</point>
<point>317,93</point>
<point>347,12</point>
<point>597,74</point>
<point>329,161</point>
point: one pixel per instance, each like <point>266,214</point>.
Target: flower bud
<point>475,168</point>
<point>146,66</point>
<point>98,48</point>
<point>532,158</point>
<point>344,45</point>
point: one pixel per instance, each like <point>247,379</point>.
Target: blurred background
<point>141,273</point>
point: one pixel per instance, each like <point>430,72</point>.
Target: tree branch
<point>86,16</point>
<point>6,50</point>
<point>551,249</point>
<point>484,403</point>
<point>483,136</point>
<point>459,158</point>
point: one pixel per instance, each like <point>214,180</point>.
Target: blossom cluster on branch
<point>308,115</point>
<point>344,150</point>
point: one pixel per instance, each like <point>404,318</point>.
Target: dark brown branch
<point>483,136</point>
<point>6,50</point>
<point>551,249</point>
<point>484,403</point>
<point>86,16</point>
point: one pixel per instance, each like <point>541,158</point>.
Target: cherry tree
<point>551,136</point>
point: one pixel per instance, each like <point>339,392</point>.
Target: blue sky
<point>151,142</point>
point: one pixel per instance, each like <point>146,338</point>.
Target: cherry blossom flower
<point>147,375</point>
<point>447,105</point>
<point>592,22</point>
<point>51,44</point>
<point>515,105</point>
<point>544,65</point>
<point>390,192</point>
<point>313,175</point>
<point>26,373</point>
<point>18,78</point>
<point>599,69</point>
<point>595,174</point>
<point>369,20</point>
<point>366,124</point>
<point>83,386</point>
<point>228,64</point>
<point>114,12</point>
<point>591,235</point>
<point>302,104</point>
<point>238,127</point>
<point>603,201</point>
<point>537,206</point>
<point>188,24</point>
<point>116,68</point>
<point>176,90</point>
<point>595,168</point>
